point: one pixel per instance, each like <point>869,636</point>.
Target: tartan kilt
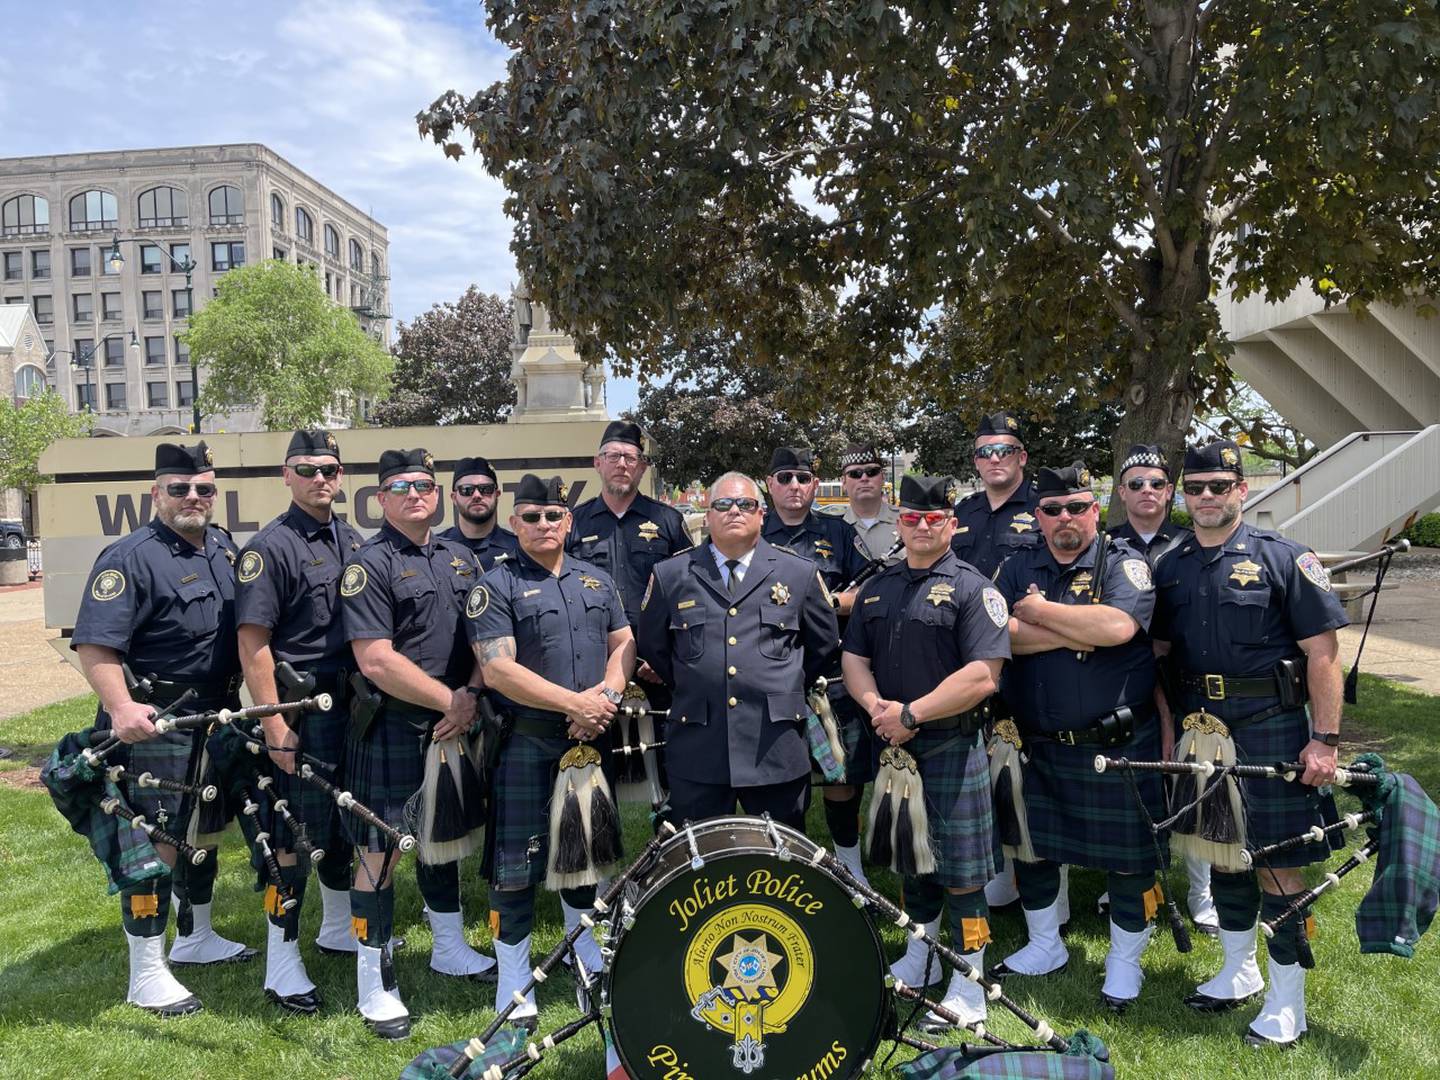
<point>322,735</point>
<point>861,750</point>
<point>386,767</point>
<point>1080,817</point>
<point>518,837</point>
<point>1274,809</point>
<point>959,806</point>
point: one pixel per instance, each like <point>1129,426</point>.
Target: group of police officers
<point>1011,613</point>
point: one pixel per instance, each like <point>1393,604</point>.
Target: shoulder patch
<point>1138,571</point>
<point>252,565</point>
<point>108,585</point>
<point>354,580</point>
<point>476,602</point>
<point>995,606</point>
<point>1314,570</point>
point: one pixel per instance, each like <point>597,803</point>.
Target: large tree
<point>1059,176</point>
<point>272,339</point>
<point>27,429</point>
<point>452,365</point>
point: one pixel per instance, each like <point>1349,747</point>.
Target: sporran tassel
<point>1007,779</point>
<point>1218,832</point>
<point>470,793</point>
<point>880,825</point>
<point>901,809</point>
<point>571,863</point>
<point>819,702</point>
<point>605,845</point>
<point>1183,792</point>
<point>449,823</point>
<point>443,828</point>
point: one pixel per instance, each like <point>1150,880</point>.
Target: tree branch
<point>1164,238</point>
<point>1123,308</point>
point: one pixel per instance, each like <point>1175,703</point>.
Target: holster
<point>1117,728</point>
<point>1292,681</point>
<point>365,703</point>
<point>140,689</point>
<point>494,730</point>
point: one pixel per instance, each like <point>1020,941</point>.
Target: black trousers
<point>786,802</point>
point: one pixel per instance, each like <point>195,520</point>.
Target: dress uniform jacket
<point>985,538</point>
<point>739,664</point>
<point>499,545</point>
<point>627,548</point>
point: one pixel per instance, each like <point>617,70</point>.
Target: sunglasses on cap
<point>532,517</point>
<point>329,472</point>
<point>744,505</point>
<point>996,450</point>
<point>912,518</point>
<point>1140,483</point>
<point>1215,487</point>
<point>177,490</point>
<point>402,487</point>
<point>466,490</point>
<point>869,472</point>
<point>1074,509</point>
<point>784,479</point>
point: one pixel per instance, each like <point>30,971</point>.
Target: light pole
<point>116,262</point>
<point>86,361</point>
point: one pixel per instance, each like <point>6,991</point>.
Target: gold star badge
<point>750,966</point>
<point>590,582</point>
<point>648,531</point>
<point>1081,582</point>
<point>941,593</point>
<point>780,593</point>
<point>1228,456</point>
<point>1245,572</point>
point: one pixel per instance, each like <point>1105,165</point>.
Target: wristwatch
<point>612,696</point>
<point>907,719</point>
<point>1329,738</point>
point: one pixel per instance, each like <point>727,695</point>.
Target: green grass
<point>63,967</point>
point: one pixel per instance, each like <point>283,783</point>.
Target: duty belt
<point>537,723</point>
<point>211,689</point>
<point>970,721</point>
<point>1220,687</point>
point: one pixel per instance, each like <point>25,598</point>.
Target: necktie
<point>733,565</point>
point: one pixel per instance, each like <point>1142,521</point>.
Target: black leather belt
<point>1113,729</point>
<point>970,721</point>
<point>1220,687</point>
<point>212,689</point>
<point>538,723</point>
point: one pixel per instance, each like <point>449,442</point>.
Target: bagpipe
<point>873,566</point>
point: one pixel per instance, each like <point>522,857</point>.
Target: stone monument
<point>552,383</point>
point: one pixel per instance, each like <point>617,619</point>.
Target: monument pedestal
<point>552,383</point>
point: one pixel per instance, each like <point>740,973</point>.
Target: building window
<point>227,207</point>
<point>332,242</point>
<point>25,215</point>
<point>115,396</point>
<point>44,309</point>
<point>304,225</point>
<point>149,259</point>
<point>277,212</point>
<point>227,255</point>
<point>180,301</point>
<point>110,307</point>
<point>40,265</point>
<point>85,397</point>
<point>329,284</point>
<point>80,262</point>
<point>14,266</point>
<point>29,381</point>
<point>157,395</point>
<point>83,352</point>
<point>354,295</point>
<point>84,307</point>
<point>17,299</point>
<point>184,393</point>
<point>164,207</point>
<point>278,254</point>
<point>180,253</point>
<point>155,350</point>
<point>182,351</point>
<point>94,210</point>
<point>114,352</point>
<point>152,305</point>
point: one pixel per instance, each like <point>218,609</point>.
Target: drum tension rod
<point>696,862</point>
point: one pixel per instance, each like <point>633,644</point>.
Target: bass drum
<point>738,957</point>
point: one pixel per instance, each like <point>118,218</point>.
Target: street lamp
<point>116,262</point>
<point>85,360</point>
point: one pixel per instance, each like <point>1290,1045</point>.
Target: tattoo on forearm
<point>496,648</point>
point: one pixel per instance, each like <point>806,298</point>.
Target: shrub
<point>1425,532</point>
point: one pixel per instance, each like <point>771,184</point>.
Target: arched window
<point>164,207</point>
<point>277,212</point>
<point>304,225</point>
<point>29,382</point>
<point>25,215</point>
<point>332,242</point>
<point>357,257</point>
<point>227,206</point>
<point>94,210</point>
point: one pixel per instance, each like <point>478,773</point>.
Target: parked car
<point>12,534</point>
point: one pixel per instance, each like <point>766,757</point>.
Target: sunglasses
<point>785,479</point>
<point>745,506</point>
<point>532,517</point>
<point>996,450</point>
<point>466,490</point>
<point>934,518</point>
<point>869,472</point>
<point>178,490</point>
<point>329,472</point>
<point>1154,483</point>
<point>1074,509</point>
<point>1215,487</point>
<point>402,487</point>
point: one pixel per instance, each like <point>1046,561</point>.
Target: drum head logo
<point>748,971</point>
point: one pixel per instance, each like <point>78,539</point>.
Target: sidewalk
<point>31,672</point>
<point>1404,641</point>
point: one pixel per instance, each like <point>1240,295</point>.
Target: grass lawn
<point>63,963</point>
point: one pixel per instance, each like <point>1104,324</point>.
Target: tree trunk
<point>1159,405</point>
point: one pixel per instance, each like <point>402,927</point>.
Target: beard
<point>480,517</point>
<point>1068,540</point>
<point>1224,516</point>
<point>187,521</point>
<point>621,489</point>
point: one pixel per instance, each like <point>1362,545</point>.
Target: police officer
<point>739,628</point>
<point>923,651</point>
<point>161,602</point>
<point>285,604</point>
<point>1083,681</point>
<point>475,494</point>
<point>868,512</point>
<point>402,598</point>
<point>1249,622</point>
<point>550,633</point>
<point>834,547</point>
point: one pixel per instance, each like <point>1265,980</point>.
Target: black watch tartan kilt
<point>955,771</point>
<point>322,736</point>
<point>386,767</point>
<point>1080,817</point>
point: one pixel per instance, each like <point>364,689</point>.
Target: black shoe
<point>1204,1003</point>
<point>1001,971</point>
<point>307,1004</point>
<point>1255,1039</point>
<point>244,956</point>
<point>1114,1004</point>
<point>188,1006</point>
<point>490,975</point>
<point>399,1028</point>
<point>396,944</point>
<point>527,1024</point>
<point>1208,929</point>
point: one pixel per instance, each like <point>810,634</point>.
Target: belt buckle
<point>1215,687</point>
<point>1065,737</point>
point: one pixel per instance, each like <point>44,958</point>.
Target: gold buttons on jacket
<point>733,640</point>
<point>731,669</point>
<point>733,702</point>
<point>734,611</point>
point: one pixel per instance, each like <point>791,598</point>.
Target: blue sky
<point>331,85</point>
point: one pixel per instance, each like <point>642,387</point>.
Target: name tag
<point>189,578</point>
<point>869,600</point>
<point>683,604</point>
<point>317,562</point>
<point>407,573</point>
<point>962,528</point>
<point>529,592</point>
<point>587,539</point>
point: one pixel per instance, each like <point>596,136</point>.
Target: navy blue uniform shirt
<point>289,581</point>
<point>919,627</point>
<point>1054,691</point>
<point>985,538</point>
<point>827,541</point>
<point>165,605</point>
<point>415,596</point>
<point>561,623</point>
<point>627,548</point>
<point>498,546</point>
<point>1169,535</point>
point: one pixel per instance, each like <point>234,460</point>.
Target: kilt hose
<point>1079,817</point>
<point>387,766</point>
